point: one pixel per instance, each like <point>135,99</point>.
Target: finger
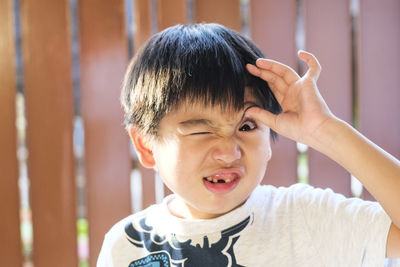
<point>253,70</point>
<point>275,83</point>
<point>279,96</point>
<point>286,72</point>
<point>314,68</point>
<point>262,115</point>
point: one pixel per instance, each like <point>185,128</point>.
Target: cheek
<point>262,151</point>
<point>178,157</point>
<point>165,157</point>
<point>259,147</point>
<point>267,149</point>
<point>193,152</point>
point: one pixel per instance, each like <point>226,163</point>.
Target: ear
<point>142,148</point>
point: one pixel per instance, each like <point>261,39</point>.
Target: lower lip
<point>221,188</point>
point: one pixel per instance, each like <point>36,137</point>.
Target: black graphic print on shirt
<point>165,253</point>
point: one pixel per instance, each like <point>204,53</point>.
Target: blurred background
<point>67,169</point>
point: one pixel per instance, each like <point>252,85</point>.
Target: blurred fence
<point>66,58</point>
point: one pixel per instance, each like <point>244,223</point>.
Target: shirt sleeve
<point>105,258</point>
<point>345,231</point>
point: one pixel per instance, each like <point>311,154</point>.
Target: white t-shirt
<point>294,226</point>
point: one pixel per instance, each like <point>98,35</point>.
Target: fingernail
<point>264,63</point>
<point>252,69</point>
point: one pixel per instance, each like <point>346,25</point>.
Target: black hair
<point>197,63</point>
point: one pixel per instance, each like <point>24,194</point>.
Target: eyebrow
<point>249,107</point>
<point>196,122</point>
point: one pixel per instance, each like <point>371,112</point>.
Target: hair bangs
<point>201,67</point>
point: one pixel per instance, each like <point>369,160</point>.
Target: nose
<point>227,151</point>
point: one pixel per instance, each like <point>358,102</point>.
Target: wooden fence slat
<point>142,29</point>
<point>104,57</point>
<point>170,13</point>
<point>225,12</point>
<point>272,28</point>
<point>49,101</point>
<point>328,36</point>
<point>379,79</point>
<point>10,246</point>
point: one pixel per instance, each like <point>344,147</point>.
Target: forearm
<point>376,169</point>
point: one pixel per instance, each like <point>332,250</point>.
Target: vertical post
<point>10,246</point>
<point>142,28</point>
<point>225,12</point>
<point>379,64</point>
<point>331,43</point>
<point>103,58</point>
<point>273,29</point>
<point>49,101</point>
<point>171,12</point>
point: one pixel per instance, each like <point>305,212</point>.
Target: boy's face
<point>212,159</point>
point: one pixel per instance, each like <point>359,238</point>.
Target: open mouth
<point>222,182</point>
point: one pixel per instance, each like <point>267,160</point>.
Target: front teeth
<point>215,181</point>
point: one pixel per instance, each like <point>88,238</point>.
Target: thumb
<point>265,116</point>
<point>314,68</point>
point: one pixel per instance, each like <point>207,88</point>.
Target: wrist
<point>326,138</point>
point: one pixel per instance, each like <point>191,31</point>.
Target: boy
<point>199,111</point>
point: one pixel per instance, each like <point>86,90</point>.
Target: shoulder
<point>293,189</point>
<point>311,201</point>
<point>285,194</point>
<point>317,206</point>
<point>305,194</point>
<point>118,229</point>
<point>116,239</point>
<point>280,201</point>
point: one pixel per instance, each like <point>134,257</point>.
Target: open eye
<point>248,126</point>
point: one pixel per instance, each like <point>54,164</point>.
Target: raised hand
<point>306,118</point>
<point>304,109</point>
